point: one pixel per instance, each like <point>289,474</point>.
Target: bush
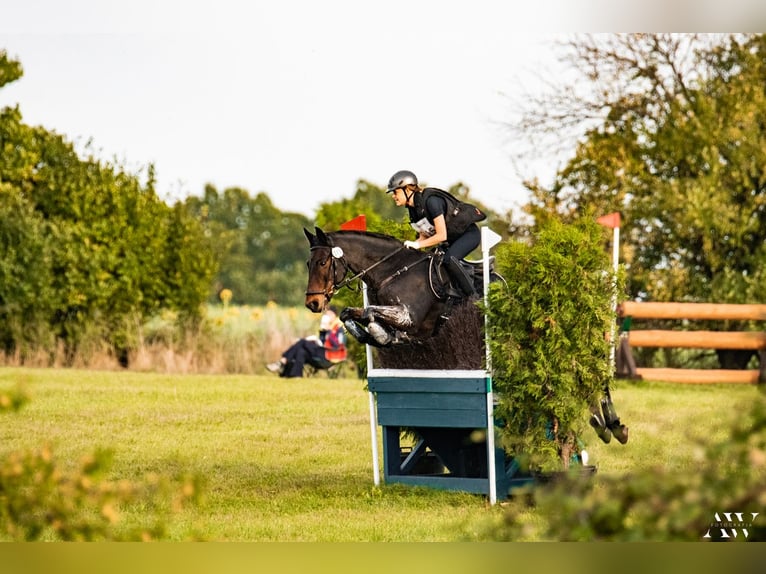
<point>40,499</point>
<point>656,505</point>
<point>548,339</point>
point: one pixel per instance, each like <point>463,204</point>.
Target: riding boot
<point>459,277</point>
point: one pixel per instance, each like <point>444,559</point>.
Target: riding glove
<point>412,244</point>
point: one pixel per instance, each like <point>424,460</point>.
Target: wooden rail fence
<point>733,340</point>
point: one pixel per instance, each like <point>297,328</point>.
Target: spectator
<point>321,352</point>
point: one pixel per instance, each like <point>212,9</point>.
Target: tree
<point>89,249</point>
<point>675,139</point>
<point>260,250</point>
<point>26,298</point>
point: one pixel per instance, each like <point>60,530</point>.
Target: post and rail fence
<point>691,339</point>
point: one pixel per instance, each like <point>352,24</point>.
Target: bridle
<point>328,293</point>
<point>339,256</point>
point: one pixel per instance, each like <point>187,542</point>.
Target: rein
<point>404,269</point>
<point>361,273</point>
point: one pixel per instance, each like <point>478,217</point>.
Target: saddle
<point>452,281</point>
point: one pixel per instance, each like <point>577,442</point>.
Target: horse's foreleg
<point>360,334</point>
<point>362,326</point>
<point>381,323</point>
<point>397,316</point>
<point>387,323</point>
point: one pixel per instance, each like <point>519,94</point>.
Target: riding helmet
<point>400,179</point>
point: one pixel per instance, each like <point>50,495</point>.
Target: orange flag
<point>359,223</point>
<point>611,220</point>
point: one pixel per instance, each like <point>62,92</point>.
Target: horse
<point>405,287</point>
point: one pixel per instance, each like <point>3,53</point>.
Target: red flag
<point>611,220</point>
<point>359,223</point>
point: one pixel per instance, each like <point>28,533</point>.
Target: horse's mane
<point>373,234</point>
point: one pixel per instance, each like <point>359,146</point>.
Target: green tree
<point>261,250</point>
<point>675,141</point>
<point>108,253</point>
<point>26,297</point>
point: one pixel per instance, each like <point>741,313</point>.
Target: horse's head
<point>325,274</point>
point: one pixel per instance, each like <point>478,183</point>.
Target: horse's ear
<point>322,237</point>
<point>312,239</point>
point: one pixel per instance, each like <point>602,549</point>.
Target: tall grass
<point>291,460</point>
<point>231,339</point>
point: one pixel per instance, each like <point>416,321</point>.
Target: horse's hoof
<point>620,432</point>
<point>601,430</point>
<point>381,336</point>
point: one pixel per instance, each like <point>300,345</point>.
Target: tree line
<point>670,133</point>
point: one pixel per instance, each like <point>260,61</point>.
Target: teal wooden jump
<point>447,411</point>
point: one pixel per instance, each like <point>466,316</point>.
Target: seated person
<point>322,351</point>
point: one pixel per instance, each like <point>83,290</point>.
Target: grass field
<point>290,460</point>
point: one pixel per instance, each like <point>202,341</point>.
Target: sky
<point>301,99</point>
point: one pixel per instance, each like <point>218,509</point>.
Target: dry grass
<point>240,340</point>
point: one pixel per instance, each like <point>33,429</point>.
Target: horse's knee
<point>367,315</point>
<point>349,313</point>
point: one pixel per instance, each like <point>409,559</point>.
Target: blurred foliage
<point>548,338</point>
<point>655,505</point>
<point>13,400</point>
<point>41,499</point>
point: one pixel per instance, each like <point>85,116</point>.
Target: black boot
<point>459,278</point>
<point>612,421</point>
<point>600,427</point>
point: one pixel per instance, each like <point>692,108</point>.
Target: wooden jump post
<point>733,340</point>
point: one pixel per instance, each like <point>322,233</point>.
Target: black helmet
<point>400,179</point>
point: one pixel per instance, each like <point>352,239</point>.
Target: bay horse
<point>404,286</point>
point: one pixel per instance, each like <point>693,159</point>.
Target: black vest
<point>458,216</point>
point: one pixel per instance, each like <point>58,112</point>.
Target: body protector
<point>458,215</point>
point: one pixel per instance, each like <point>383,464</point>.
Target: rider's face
<point>400,198</point>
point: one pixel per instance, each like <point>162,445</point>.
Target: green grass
<point>291,460</point>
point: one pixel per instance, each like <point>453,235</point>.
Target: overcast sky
<point>298,99</point>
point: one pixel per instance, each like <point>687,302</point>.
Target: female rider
<point>432,217</point>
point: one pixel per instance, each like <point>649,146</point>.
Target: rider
<point>429,216</point>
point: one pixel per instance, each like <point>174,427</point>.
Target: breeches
<point>464,244</point>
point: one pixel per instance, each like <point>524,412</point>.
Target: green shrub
<point>548,338</point>
<point>660,503</point>
<point>41,499</point>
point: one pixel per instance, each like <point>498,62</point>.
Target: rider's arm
<point>439,237</point>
